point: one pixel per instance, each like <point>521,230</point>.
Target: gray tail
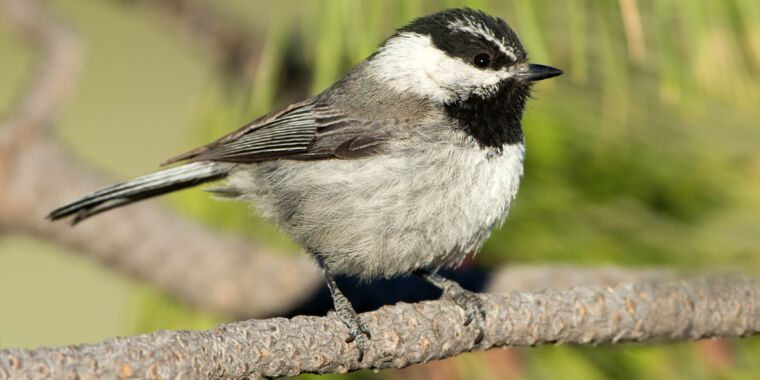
<point>147,186</point>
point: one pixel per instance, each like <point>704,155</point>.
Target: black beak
<point>539,72</point>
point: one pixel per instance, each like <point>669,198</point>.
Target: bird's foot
<point>470,302</point>
<point>357,330</point>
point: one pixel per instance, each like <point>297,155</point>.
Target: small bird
<point>405,165</point>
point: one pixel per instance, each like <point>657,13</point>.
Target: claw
<point>360,342</point>
<point>357,331</point>
<point>479,338</point>
<point>365,330</point>
<point>469,316</point>
<point>472,306</point>
<point>470,302</point>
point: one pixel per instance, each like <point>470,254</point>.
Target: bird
<point>403,166</point>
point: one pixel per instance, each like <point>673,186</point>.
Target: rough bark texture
<point>405,334</point>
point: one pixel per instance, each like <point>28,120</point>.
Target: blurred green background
<point>644,153</point>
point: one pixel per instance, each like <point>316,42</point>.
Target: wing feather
<point>304,130</point>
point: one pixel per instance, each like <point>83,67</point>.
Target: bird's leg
<point>357,330</point>
<point>470,302</point>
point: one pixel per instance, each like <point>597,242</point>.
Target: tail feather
<point>147,186</point>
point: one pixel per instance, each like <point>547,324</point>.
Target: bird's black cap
<point>465,32</point>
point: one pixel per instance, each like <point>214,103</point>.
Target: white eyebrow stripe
<point>478,28</point>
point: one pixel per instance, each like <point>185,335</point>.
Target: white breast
<point>470,198</point>
<point>421,205</point>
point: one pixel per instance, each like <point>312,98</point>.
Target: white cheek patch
<point>410,62</point>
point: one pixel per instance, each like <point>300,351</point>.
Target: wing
<point>304,130</point>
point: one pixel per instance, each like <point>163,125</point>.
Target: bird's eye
<point>482,60</point>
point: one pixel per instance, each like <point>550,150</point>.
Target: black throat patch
<point>493,121</point>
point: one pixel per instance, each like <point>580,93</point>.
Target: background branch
<point>56,73</point>
<point>405,334</point>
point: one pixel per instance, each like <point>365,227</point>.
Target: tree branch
<point>405,334</point>
<point>56,73</point>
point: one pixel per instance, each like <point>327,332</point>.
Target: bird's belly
<point>389,215</point>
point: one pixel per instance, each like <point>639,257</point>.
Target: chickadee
<point>404,165</point>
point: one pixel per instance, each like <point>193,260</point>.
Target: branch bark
<point>405,334</point>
